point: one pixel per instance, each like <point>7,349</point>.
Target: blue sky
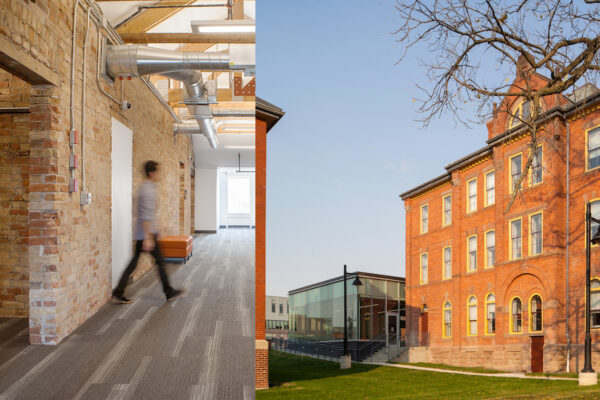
<point>350,141</point>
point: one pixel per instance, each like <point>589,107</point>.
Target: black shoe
<point>121,300</point>
<point>173,294</point>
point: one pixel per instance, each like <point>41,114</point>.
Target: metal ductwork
<point>136,60</point>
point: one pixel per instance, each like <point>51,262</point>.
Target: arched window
<point>595,303</point>
<point>535,309</point>
<point>472,313</point>
<point>490,314</point>
<point>516,321</point>
<point>447,319</point>
<point>519,113</point>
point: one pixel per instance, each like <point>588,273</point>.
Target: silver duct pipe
<point>136,60</point>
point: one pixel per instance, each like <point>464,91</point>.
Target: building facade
<point>277,317</point>
<point>499,286</point>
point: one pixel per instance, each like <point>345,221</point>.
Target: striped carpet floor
<point>200,346</point>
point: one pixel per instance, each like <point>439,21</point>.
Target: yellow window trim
<point>485,261</point>
<point>485,196</point>
<point>530,172</point>
<point>468,316</point>
<point>476,254</point>
<point>510,255</point>
<point>421,268</point>
<point>529,236</point>
<point>516,110</point>
<point>468,182</point>
<point>587,155</point>
<point>531,313</point>
<point>510,316</point>
<point>592,278</point>
<point>421,231</point>
<point>444,224</point>
<point>510,183</point>
<point>445,278</point>
<point>447,306</point>
<point>486,333</point>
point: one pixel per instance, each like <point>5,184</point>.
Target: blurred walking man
<point>146,236</point>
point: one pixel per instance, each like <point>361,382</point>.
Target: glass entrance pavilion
<point>376,309</point>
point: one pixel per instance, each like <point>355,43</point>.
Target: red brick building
<point>506,289</point>
<point>267,115</point>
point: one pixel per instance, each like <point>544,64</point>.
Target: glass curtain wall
<point>318,314</point>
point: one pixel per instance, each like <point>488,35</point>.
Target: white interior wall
<point>224,218</point>
<point>121,198</point>
<point>206,210</point>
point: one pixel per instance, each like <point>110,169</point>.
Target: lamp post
<point>588,376</point>
<point>345,360</point>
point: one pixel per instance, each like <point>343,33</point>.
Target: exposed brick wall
<point>70,245</point>
<point>540,274</point>
<point>262,369</point>
<point>14,197</point>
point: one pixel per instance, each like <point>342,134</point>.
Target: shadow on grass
<point>286,367</point>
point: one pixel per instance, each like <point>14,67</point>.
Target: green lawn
<point>297,377</point>
<point>455,368</point>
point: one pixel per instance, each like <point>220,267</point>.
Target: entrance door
<point>392,329</point>
<point>424,329</point>
<point>537,354</point>
<point>121,198</point>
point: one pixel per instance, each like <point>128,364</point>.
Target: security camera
<point>125,105</point>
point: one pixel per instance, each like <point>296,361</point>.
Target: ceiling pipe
<point>136,60</point>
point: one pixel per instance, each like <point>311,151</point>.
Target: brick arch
<point>524,281</point>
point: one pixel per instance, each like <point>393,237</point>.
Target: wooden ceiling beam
<point>201,38</point>
<point>151,17</point>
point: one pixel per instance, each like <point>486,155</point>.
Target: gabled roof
<point>583,97</point>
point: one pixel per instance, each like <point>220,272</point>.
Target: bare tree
<point>477,45</point>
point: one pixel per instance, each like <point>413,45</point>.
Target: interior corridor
<point>199,346</point>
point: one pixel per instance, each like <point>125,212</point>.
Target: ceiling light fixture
<point>224,26</point>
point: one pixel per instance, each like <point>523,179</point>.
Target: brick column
<point>262,355</point>
<point>47,190</point>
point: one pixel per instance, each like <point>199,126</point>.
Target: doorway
<point>121,198</point>
<point>537,354</point>
<point>392,329</point>
<point>424,326</point>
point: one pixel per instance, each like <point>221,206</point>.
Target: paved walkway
<point>497,375</point>
<point>200,346</point>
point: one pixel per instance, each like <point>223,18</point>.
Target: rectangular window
<point>535,234</point>
<point>491,318</point>
<point>447,263</point>
<point>424,268</point>
<point>447,322</point>
<point>472,195</point>
<point>515,171</point>
<point>490,248</point>
<point>595,303</point>
<point>490,188</point>
<point>594,148</point>
<point>595,210</point>
<point>238,195</point>
<point>424,218</point>
<point>472,243</point>
<point>281,309</point>
<point>447,210</point>
<point>516,239</point>
<point>273,306</point>
<point>472,319</point>
<point>536,166</point>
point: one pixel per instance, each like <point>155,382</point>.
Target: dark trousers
<point>158,260</point>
